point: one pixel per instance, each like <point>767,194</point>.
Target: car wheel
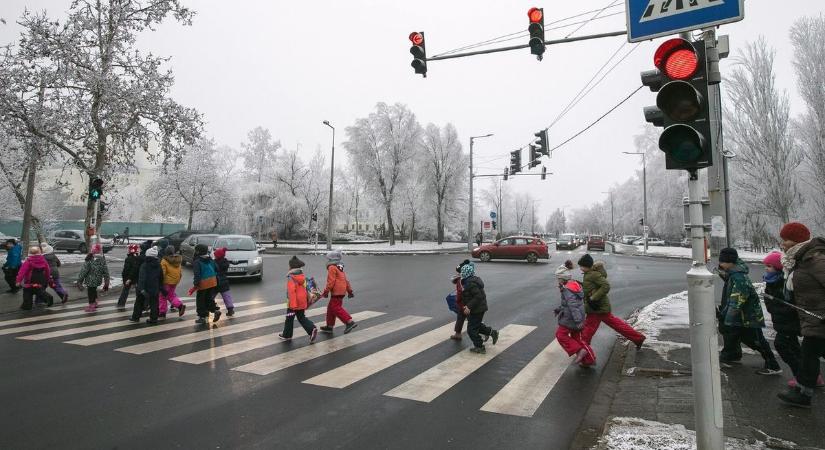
<point>532,257</point>
<point>82,248</point>
<point>485,257</point>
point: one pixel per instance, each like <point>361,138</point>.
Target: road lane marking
<point>175,341</point>
<point>234,348</point>
<point>523,395</point>
<point>68,311</point>
<point>437,380</point>
<point>120,323</point>
<point>281,361</point>
<point>370,365</point>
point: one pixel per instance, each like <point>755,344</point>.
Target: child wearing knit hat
<point>337,286</point>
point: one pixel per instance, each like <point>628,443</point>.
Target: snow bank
<point>78,258</point>
<point>681,252</point>
<point>628,433</point>
<point>386,247</point>
<point>670,312</point>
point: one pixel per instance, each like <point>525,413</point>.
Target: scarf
<point>771,277</point>
<point>789,263</point>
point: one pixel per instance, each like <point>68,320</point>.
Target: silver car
<point>242,254</point>
<point>73,240</point>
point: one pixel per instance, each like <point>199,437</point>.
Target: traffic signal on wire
<point>544,173</point>
<point>515,162</point>
<point>536,30</point>
<point>534,156</point>
<point>95,189</point>
<point>419,52</point>
<point>682,107</point>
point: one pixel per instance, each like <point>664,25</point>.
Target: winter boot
<point>230,312</point>
<point>480,350</point>
<point>820,382</point>
<point>181,310</point>
<point>313,335</point>
<point>350,326</point>
<point>794,397</point>
<point>284,338</point>
<point>216,315</point>
<point>326,329</point>
<point>65,298</point>
<point>494,335</point>
<point>200,320</point>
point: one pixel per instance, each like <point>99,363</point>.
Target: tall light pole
<point>331,175</point>
<point>612,223</point>
<point>470,205</point>
<point>644,190</point>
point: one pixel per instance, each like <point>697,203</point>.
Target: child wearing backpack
<point>205,282</point>
<point>475,305</point>
<point>34,275</point>
<point>170,265</point>
<point>54,264</point>
<point>94,273</point>
<point>570,314</point>
<point>130,273</point>
<point>150,283</point>
<point>223,280</point>
<point>337,286</point>
<point>298,298</point>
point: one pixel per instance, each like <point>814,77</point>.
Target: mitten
<point>105,285</point>
<point>557,311</point>
<point>350,294</point>
<point>192,290</point>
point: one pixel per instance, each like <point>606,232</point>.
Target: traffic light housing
<point>506,173</point>
<point>515,162</point>
<point>682,106</point>
<point>541,143</point>
<point>536,30</point>
<point>544,173</point>
<point>95,189</point>
<point>494,224</point>
<point>642,221</point>
<point>419,52</point>
<point>534,156</point>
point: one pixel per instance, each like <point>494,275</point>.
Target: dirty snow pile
<point>386,247</point>
<point>78,258</point>
<point>682,252</point>
<point>666,313</point>
<point>628,433</point>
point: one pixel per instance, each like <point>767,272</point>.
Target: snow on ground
<point>628,433</point>
<point>399,247</point>
<point>681,252</point>
<point>78,258</point>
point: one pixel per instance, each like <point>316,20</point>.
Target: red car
<point>513,247</point>
<point>595,242</point>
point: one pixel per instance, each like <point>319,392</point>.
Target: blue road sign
<point>648,19</point>
<point>492,214</point>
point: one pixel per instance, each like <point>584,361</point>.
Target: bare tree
<point>808,38</point>
<point>556,223</point>
<point>292,172</point>
<point>381,147</point>
<point>522,205</point>
<point>444,168</point>
<point>757,115</point>
<point>259,153</point>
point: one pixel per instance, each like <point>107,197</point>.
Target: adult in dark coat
<point>804,265</point>
<point>149,284</point>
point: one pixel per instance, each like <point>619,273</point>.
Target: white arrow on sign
<point>657,9</point>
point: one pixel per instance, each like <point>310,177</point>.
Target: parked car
<point>5,237</point>
<point>177,238</point>
<point>513,247</point>
<point>74,240</point>
<point>242,254</point>
<point>595,242</point>
<point>686,243</point>
<point>187,247</point>
<point>566,241</point>
<point>629,239</point>
<point>650,242</point>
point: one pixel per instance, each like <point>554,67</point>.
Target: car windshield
<point>566,238</point>
<point>596,238</point>
<point>236,243</point>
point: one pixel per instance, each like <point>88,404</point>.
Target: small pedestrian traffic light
<point>536,30</point>
<point>419,52</point>
<point>96,189</point>
<point>544,173</point>
<point>506,173</point>
<point>314,217</point>
<point>494,224</point>
<point>681,107</point>
<point>641,221</point>
<point>515,162</point>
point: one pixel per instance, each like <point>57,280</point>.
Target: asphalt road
<point>62,395</point>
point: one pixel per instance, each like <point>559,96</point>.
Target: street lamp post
<point>331,175</point>
<point>470,205</point>
<point>612,222</point>
<point>644,190</point>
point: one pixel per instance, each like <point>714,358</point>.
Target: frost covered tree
<point>103,98</point>
<point>556,223</point>
<point>808,38</point>
<point>200,184</point>
<point>758,122</point>
<point>381,147</point>
<point>259,153</point>
<point>444,168</point>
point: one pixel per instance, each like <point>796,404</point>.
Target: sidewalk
<point>675,252</point>
<point>650,396</point>
<point>383,248</point>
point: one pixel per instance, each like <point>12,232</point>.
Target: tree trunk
<point>439,225</point>
<point>189,222</point>
<point>27,205</point>
<point>390,227</point>
<point>412,229</point>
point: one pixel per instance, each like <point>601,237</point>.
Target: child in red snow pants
<point>335,309</point>
<point>593,320</point>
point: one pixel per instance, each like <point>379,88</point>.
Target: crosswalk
<point>248,343</point>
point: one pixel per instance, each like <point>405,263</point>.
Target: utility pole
<point>612,222</point>
<point>471,202</point>
<point>644,193</point>
<point>331,175</point>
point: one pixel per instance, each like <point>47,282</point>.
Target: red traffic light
<point>535,15</point>
<point>416,38</point>
<point>677,59</point>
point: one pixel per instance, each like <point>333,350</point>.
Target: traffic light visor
<point>680,101</point>
<point>677,59</point>
<point>416,38</point>
<point>536,15</point>
<point>682,143</point>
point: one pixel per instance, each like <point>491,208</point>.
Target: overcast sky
<point>289,65</point>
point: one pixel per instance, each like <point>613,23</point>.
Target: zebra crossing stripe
<point>88,317</point>
<point>523,395</point>
<point>235,348</point>
<point>370,365</point>
<point>171,324</point>
<point>109,325</point>
<point>437,380</point>
<point>175,341</point>
<point>275,363</point>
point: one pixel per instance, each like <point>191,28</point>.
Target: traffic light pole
<point>470,204</point>
<point>704,342</point>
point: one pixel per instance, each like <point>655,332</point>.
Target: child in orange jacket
<point>298,297</point>
<point>337,286</point>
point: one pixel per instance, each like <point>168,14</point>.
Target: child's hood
<point>37,261</point>
<point>297,275</point>
<point>174,260</point>
<point>599,267</point>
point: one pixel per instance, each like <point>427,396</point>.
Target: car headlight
<point>257,261</point>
